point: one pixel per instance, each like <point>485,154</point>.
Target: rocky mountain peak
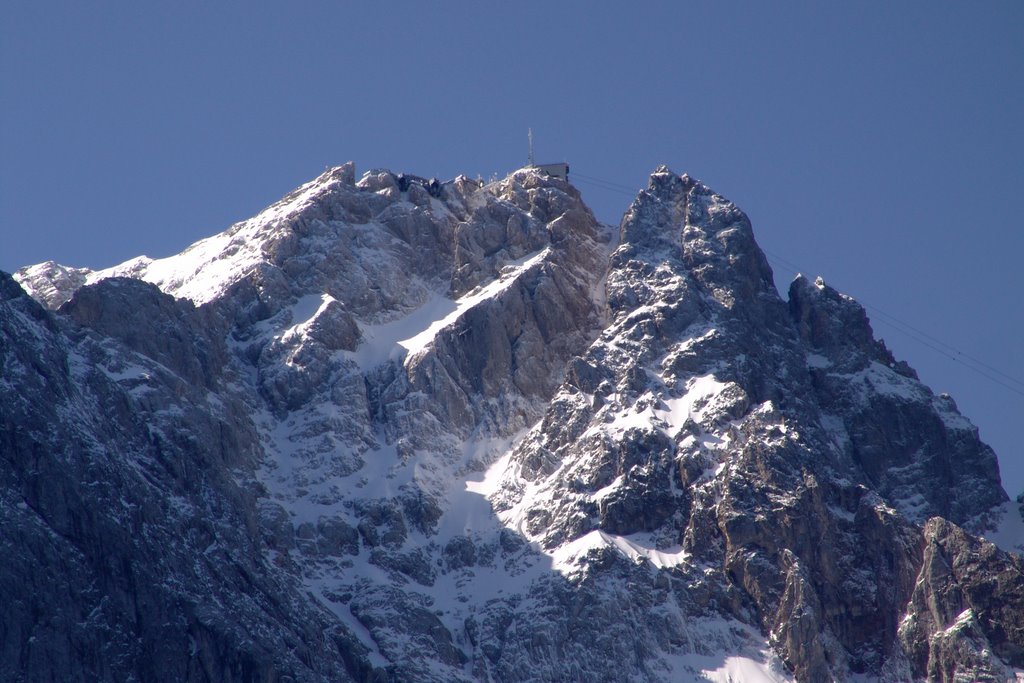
<point>397,428</point>
<point>50,283</point>
<point>835,325</point>
<point>683,218</point>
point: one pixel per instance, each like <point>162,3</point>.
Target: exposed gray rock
<point>964,618</point>
<point>408,430</point>
<point>50,283</point>
<point>408,633</point>
<point>712,434</point>
<point>336,537</point>
<point>153,570</point>
<point>173,332</point>
<point>911,445</point>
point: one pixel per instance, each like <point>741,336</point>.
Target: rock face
<point>130,551</point>
<point>964,615</point>
<point>913,447</point>
<point>404,430</point>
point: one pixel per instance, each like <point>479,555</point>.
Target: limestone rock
<point>399,429</point>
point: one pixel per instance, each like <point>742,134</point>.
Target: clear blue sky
<point>878,144</point>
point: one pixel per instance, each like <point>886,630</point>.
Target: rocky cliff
<point>404,430</point>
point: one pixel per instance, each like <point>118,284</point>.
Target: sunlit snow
<point>411,334</point>
<point>566,558</point>
<point>205,269</point>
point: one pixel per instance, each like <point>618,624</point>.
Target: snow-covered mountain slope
<point>397,429</point>
<point>206,269</point>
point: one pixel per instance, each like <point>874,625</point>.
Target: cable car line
<point>947,349</point>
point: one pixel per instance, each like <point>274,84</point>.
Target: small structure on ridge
<point>560,170</point>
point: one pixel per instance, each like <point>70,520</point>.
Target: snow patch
<point>207,268</point>
<point>743,669</point>
<point>886,382</point>
<point>946,409</point>
<point>410,335</point>
<point>682,408</point>
<point>668,414</point>
<point>566,559</point>
<point>605,491</point>
<point>468,507</point>
<point>724,651</point>
<point>490,482</point>
<point>303,313</point>
<point>815,360</point>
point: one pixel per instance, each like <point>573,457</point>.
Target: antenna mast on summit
<point>529,136</point>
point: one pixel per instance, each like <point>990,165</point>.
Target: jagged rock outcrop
<point>408,430</point>
<point>188,341</point>
<point>964,618</point>
<point>702,424</point>
<point>128,544</point>
<point>51,283</point>
<point>911,444</point>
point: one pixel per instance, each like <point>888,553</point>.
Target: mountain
<point>410,430</point>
